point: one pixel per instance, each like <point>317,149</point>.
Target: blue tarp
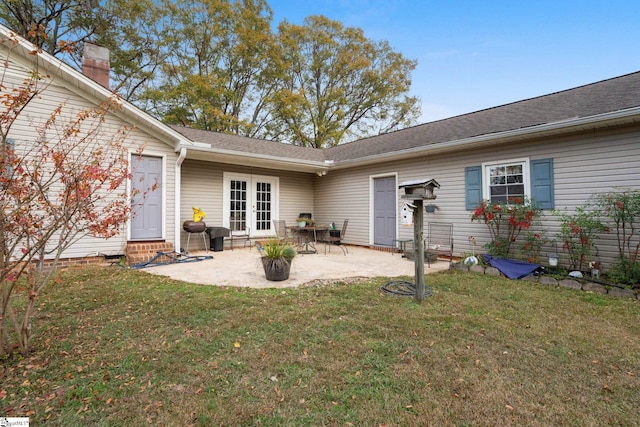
<point>512,268</point>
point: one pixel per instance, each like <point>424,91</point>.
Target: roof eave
<point>218,155</point>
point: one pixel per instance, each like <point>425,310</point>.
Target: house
<point>564,146</point>
<point>560,148</point>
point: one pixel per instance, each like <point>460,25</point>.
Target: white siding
<point>583,164</point>
<point>58,93</point>
<point>202,186</point>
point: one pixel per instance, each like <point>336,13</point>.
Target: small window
<point>506,180</point>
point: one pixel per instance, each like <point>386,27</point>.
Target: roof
<point>609,102</point>
<point>223,141</point>
<point>605,103</point>
<point>572,106</point>
<point>235,149</point>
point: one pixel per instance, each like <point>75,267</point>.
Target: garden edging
<point>572,283</point>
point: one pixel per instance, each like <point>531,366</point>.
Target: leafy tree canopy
<point>60,28</point>
<point>336,84</point>
<point>218,65</point>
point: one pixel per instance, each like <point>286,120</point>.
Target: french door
<point>250,203</point>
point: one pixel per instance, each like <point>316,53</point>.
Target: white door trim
<point>251,202</point>
<point>163,189</point>
<point>372,201</point>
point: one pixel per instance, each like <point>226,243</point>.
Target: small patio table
<point>308,237</point>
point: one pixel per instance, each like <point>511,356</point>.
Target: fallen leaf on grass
<point>236,344</point>
<point>279,394</point>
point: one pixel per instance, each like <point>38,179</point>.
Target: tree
<point>338,85</point>
<point>313,85</point>
<point>61,27</point>
<point>47,23</point>
<point>216,65</point>
<point>212,78</point>
<point>61,186</point>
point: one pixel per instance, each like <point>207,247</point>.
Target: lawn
<point>115,347</point>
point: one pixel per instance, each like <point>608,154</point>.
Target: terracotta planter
<point>276,270</point>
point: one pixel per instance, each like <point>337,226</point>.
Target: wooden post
<point>418,246</point>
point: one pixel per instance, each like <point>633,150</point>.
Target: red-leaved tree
<point>63,182</point>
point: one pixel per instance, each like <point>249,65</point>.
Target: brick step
<point>139,252</point>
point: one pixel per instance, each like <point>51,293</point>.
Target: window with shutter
<point>499,181</point>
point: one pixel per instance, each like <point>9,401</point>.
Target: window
<point>238,205</point>
<point>497,181</point>
<point>505,181</point>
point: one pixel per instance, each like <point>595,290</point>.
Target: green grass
<point>116,347</point>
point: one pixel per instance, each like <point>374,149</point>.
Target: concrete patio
<point>242,267</point>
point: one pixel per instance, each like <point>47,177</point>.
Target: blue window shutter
<point>473,186</point>
<point>542,183</point>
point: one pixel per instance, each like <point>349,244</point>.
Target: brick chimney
<point>95,63</point>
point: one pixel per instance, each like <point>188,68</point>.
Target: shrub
<point>532,245</point>
<point>621,209</point>
<point>578,232</point>
<point>505,222</point>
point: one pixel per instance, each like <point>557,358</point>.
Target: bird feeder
<point>419,189</point>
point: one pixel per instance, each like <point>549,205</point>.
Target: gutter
<point>313,165</point>
<point>177,204</point>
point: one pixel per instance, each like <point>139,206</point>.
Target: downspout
<point>177,197</point>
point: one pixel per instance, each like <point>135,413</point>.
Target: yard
<point>115,347</point>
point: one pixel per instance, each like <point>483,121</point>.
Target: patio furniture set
<point>305,238</point>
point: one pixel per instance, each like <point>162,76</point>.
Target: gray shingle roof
<point>602,97</point>
<point>606,96</point>
<point>245,144</point>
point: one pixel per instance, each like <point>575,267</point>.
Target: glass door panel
<point>238,205</point>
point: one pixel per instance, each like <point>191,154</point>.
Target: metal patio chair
<point>335,238</point>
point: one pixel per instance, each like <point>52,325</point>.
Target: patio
<point>242,267</point>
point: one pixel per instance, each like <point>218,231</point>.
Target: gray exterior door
<point>146,198</point>
<point>384,210</point>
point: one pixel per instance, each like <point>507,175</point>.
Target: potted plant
<point>276,259</point>
<point>302,221</point>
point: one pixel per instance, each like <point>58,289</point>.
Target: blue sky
<point>483,53</point>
